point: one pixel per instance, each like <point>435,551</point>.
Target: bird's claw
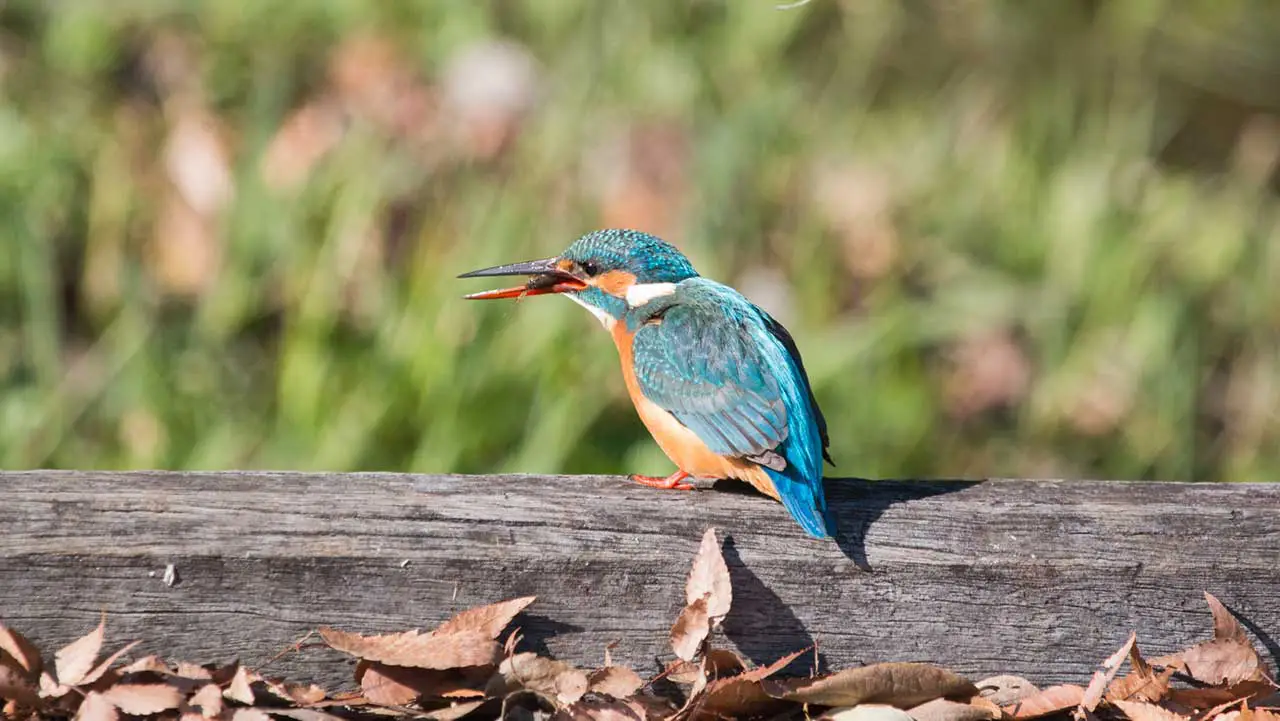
<point>671,482</point>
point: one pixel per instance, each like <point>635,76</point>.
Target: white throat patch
<point>641,293</point>
<point>605,319</point>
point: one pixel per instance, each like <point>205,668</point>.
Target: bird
<point>716,380</point>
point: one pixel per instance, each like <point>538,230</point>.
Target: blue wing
<point>731,374</point>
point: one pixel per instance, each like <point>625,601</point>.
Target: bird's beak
<point>546,277</point>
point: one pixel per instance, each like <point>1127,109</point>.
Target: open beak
<point>546,276</point>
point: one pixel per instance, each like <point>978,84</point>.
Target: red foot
<point>671,482</point>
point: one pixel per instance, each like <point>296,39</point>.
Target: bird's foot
<point>671,482</point>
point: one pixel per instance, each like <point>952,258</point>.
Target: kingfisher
<point>716,380</point>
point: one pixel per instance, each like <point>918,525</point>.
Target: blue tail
<point>804,500</point>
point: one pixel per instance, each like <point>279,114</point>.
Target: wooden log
<point>1038,578</point>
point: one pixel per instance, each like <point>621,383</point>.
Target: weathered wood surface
<point>1040,578</point>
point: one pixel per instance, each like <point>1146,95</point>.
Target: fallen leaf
<point>16,686</point>
<point>1222,661</point>
<point>456,711</point>
<point>1143,682</point>
<point>690,630</point>
<point>445,651</point>
<point>97,671</point>
<point>1047,701</point>
<point>682,671</point>
<point>49,688</point>
<point>21,650</point>
<point>1203,698</point>
<point>557,681</point>
<point>898,684</point>
<point>733,697</point>
<point>486,620</point>
<point>709,579</point>
<point>760,673</point>
<point>1225,625</point>
<point>1142,711</point>
<point>96,707</point>
<point>601,710</point>
<point>1006,689</point>
<point>143,699</point>
<point>192,671</point>
<point>1102,677</point>
<point>379,684</point>
<point>147,663</point>
<point>720,662</point>
<point>208,699</point>
<point>240,689</point>
<point>615,681</point>
<point>305,714</point>
<point>301,694</point>
<point>941,709</point>
<point>249,714</point>
<point>74,660</point>
<point>866,712</point>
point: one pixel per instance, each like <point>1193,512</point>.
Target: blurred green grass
<point>1012,239</point>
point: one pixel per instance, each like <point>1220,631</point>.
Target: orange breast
<point>683,446</point>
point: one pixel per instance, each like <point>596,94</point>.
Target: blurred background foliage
<point>1012,238</point>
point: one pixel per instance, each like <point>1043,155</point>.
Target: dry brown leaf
<point>898,684</point>
<point>601,710</point>
<point>682,671</point>
<point>241,687</point>
<point>1141,686</point>
<point>557,681</point>
<point>941,709</point>
<point>709,578</point>
<point>96,707</point>
<point>1225,625</point>
<point>1102,677</point>
<point>16,686</point>
<point>49,688</point>
<point>487,620</point>
<point>719,662</point>
<point>74,660</point>
<point>21,650</point>
<point>690,630</point>
<point>142,699</point>
<point>1006,689</point>
<point>456,711</point>
<point>1142,711</point>
<point>615,681</point>
<point>1223,662</point>
<point>1142,683</point>
<point>390,685</point>
<point>866,712</point>
<point>305,714</point>
<point>147,663</point>
<point>249,714</point>
<point>192,671</point>
<point>301,694</point>
<point>1203,698</point>
<point>444,651</point>
<point>1047,701</point>
<point>208,699</point>
<point>97,671</point>
<point>734,697</point>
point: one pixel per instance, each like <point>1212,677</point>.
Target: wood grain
<point>1039,578</point>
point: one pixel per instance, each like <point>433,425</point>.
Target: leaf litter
<point>465,669</point>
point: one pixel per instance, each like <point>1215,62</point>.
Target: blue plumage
<point>706,357</point>
<point>731,374</point>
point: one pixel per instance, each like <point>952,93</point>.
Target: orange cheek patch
<point>615,282</point>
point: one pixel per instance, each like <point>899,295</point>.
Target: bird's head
<point>607,271</point>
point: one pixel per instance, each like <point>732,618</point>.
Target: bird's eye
<point>589,268</point>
